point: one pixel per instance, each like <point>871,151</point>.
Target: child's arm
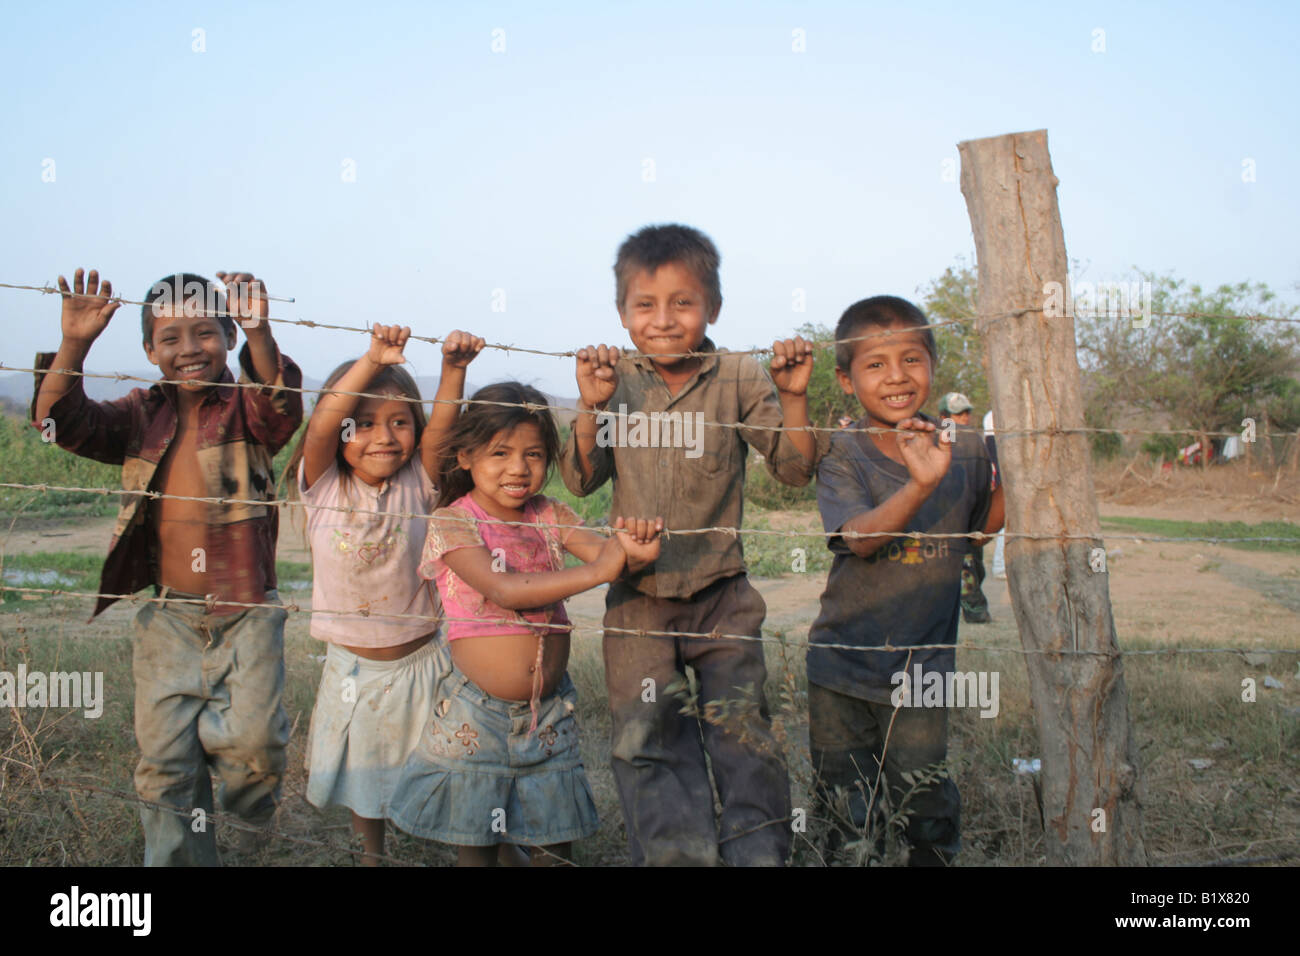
<point>997,516</point>
<point>87,308</point>
<point>780,402</point>
<point>638,536</point>
<point>459,349</point>
<point>247,304</point>
<point>520,591</point>
<point>274,412</point>
<point>597,380</point>
<point>321,442</point>
<point>927,463</point>
<point>792,363</point>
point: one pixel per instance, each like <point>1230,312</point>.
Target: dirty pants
<point>846,737</point>
<point>658,754</point>
<point>973,602</point>
<point>208,693</point>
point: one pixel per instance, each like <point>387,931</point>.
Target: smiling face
<point>191,348</point>
<point>890,375</point>
<point>667,311</point>
<point>383,439</point>
<point>508,470</point>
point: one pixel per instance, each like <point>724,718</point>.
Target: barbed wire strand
<point>212,601</point>
<point>608,530</point>
<point>659,419</point>
<point>1128,314</point>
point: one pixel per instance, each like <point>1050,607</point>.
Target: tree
<point>1202,368</point>
<point>951,298</point>
<point>827,402</point>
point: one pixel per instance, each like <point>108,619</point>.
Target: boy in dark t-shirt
<point>893,590</point>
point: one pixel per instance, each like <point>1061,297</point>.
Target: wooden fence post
<point>1091,795</point>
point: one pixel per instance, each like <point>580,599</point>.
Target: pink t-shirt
<point>522,548</point>
<point>370,561</point>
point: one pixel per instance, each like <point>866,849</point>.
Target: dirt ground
<point>1163,595</point>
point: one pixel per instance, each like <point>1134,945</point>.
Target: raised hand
<point>387,343</point>
<point>87,306</point>
<point>792,363</point>
<point>639,538</point>
<point>926,461</point>
<point>460,348</point>
<point>245,298</point>
<point>597,378</point>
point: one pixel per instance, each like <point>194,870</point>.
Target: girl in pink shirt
<point>379,619</point>
<point>500,761</point>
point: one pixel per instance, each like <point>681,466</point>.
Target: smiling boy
<point>895,590</point>
<point>668,293</point>
<point>209,676</point>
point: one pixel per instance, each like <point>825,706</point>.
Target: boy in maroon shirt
<point>209,672</point>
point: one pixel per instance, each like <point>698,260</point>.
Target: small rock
<point>1272,682</point>
<point>1218,743</point>
<point>1201,763</point>
<point>1256,659</point>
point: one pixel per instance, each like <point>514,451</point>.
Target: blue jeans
<point>208,694</point>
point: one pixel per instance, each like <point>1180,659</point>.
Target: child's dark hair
<point>655,246</point>
<point>477,425</point>
<point>391,379</point>
<point>879,312</point>
<point>194,294</point>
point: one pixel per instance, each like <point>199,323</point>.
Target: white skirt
<point>368,717</point>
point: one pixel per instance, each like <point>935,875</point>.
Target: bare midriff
<point>394,653</point>
<point>502,664</point>
<point>182,526</point>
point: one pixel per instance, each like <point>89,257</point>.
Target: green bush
<point>29,460</point>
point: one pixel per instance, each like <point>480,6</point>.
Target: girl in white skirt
<point>369,604</point>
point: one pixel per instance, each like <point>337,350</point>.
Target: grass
<point>1182,707</point>
<point>29,460</point>
<point>770,556</point>
<point>1162,527</point>
<point>80,572</point>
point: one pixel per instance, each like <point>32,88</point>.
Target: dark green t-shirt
<point>909,591</point>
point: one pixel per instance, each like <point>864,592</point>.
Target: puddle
<point>22,578</point>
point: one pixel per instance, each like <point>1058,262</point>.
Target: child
<point>379,676</point>
<point>668,292</point>
<point>891,590</point>
<point>209,676</point>
<point>501,760</point>
<point>974,605</point>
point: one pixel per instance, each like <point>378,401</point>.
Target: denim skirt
<point>479,777</point>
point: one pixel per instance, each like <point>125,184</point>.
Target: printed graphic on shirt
<point>367,552</point>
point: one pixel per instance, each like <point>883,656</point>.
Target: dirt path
<point>1160,591</point>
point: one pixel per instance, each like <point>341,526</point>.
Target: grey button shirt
<point>664,463</point>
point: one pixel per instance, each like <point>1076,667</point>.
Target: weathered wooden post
<point>1091,804</point>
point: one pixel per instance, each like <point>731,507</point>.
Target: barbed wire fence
<point>210,602</point>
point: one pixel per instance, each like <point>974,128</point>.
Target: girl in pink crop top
<point>495,548</point>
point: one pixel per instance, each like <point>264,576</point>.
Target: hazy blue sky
<point>522,170</point>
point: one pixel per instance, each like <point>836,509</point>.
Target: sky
<point>451,166</point>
